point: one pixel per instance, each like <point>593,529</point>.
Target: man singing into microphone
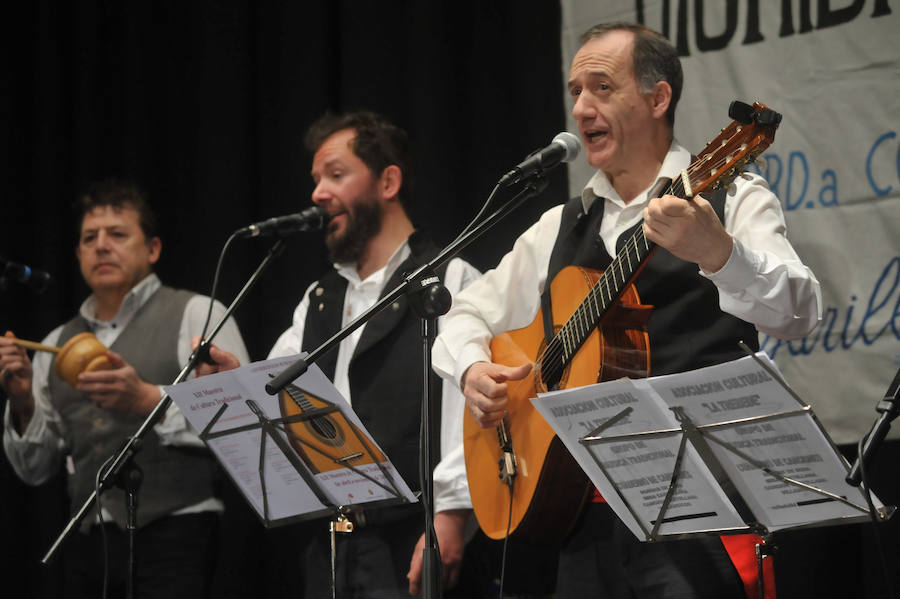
<point>724,270</point>
<point>147,328</point>
<point>361,169</point>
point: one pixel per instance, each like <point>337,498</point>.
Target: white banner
<point>832,68</point>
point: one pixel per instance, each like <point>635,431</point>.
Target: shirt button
<point>319,291</point>
<point>321,307</point>
<point>395,306</point>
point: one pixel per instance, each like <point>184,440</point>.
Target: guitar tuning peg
<point>741,112</point>
<point>768,117</point>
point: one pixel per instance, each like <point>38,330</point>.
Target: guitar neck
<point>605,292</point>
<point>299,398</point>
<point>621,271</point>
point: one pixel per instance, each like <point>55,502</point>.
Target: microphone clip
<point>564,148</point>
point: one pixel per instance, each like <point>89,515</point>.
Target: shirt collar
<point>598,186</point>
<point>136,297</point>
<point>348,270</point>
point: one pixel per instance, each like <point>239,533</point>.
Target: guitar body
<point>549,488</point>
<point>326,442</point>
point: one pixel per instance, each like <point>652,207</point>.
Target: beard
<point>363,223</point>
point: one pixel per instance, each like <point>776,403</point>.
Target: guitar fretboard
<point>299,398</point>
<point>605,292</point>
<point>596,304</point>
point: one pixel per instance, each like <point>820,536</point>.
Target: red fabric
<point>742,551</point>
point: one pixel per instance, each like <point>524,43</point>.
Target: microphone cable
<point>506,540</point>
<point>215,285</point>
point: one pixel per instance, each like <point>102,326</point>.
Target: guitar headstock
<point>723,159</point>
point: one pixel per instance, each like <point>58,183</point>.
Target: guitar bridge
<point>349,458</point>
<point>507,462</point>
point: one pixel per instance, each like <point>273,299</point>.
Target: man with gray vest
<point>724,269</point>
<point>361,169</point>
<point>147,328</point>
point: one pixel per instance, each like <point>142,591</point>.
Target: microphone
<point>313,218</point>
<point>38,280</point>
<point>563,148</point>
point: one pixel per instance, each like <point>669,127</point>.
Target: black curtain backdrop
<point>205,104</point>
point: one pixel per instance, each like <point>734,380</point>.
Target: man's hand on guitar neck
<point>689,229</point>
<point>484,385</point>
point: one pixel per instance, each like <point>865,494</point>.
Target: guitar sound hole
<point>549,369</point>
<point>324,428</point>
<point>549,375</point>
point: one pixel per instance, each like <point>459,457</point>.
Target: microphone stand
<point>122,463</point>
<point>420,282</point>
<point>889,408</point>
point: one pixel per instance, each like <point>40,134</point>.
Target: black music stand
<point>293,460</point>
<point>707,471</point>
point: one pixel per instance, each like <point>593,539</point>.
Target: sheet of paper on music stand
<point>288,494</point>
<point>791,444</point>
<point>794,445</point>
<point>640,469</point>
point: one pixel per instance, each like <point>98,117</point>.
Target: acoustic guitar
<point>522,480</point>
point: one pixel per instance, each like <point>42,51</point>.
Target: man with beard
<point>362,174</point>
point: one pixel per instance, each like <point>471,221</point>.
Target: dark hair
<point>654,59</point>
<point>118,194</point>
<point>378,143</point>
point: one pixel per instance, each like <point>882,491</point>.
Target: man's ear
<point>155,247</point>
<point>660,98</point>
<point>390,182</point>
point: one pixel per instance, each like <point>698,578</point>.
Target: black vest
<point>386,372</point>
<point>687,330</point>
<point>174,477</point>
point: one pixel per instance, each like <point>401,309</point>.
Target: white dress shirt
<point>451,491</point>
<point>35,453</point>
<point>763,282</point>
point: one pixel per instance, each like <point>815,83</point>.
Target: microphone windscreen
<point>571,143</point>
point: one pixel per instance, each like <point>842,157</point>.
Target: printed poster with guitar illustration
<point>296,455</point>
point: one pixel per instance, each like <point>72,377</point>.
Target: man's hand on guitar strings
<point>485,388</point>
<point>689,229</point>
